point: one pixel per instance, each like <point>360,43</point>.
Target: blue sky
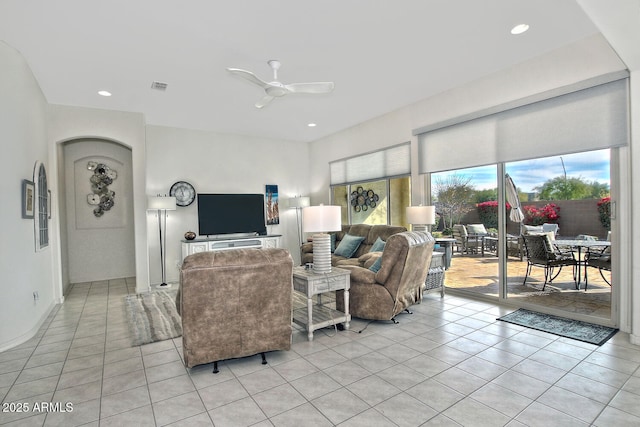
<point>590,166</point>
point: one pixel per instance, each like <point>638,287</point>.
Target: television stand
<point>206,244</point>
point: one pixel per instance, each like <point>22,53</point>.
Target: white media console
<point>219,243</point>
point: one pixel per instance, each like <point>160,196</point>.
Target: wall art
<point>271,197</point>
<point>362,199</point>
<point>28,192</point>
<point>101,197</point>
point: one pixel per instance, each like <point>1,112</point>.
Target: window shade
<point>386,163</point>
<point>588,119</point>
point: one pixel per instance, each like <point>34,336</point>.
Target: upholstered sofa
<point>397,284</point>
<point>369,235</point>
<point>235,303</point>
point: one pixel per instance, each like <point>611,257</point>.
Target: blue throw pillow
<point>378,245</point>
<point>376,265</point>
<point>348,245</point>
<point>333,242</point>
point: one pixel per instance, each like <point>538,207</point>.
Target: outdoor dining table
<point>577,245</point>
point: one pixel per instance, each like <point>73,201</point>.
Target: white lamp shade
<point>161,203</point>
<point>299,202</point>
<point>421,215</point>
<point>320,219</point>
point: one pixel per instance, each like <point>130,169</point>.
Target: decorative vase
<point>189,235</point>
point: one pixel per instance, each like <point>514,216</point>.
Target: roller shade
<point>386,163</point>
<point>588,119</point>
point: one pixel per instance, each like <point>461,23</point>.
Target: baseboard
<point>30,333</point>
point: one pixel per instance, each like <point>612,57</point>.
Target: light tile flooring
<point>449,363</point>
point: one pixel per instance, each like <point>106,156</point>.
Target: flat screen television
<point>231,214</point>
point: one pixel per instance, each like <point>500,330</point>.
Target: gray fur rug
<point>152,317</point>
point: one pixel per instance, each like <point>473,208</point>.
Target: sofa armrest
<point>307,248</point>
<point>361,275</point>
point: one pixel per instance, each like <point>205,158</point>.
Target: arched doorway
<point>96,210</point>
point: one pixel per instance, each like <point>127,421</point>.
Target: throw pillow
<point>476,229</point>
<point>333,242</point>
<point>378,245</point>
<point>376,265</point>
<point>348,245</point>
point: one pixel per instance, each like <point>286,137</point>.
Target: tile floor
<point>449,363</point>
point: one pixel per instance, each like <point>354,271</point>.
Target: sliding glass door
<point>569,197</point>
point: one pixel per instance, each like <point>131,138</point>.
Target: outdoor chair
<point>600,259</point>
<point>541,252</point>
<point>467,242</point>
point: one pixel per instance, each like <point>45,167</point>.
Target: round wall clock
<point>184,193</point>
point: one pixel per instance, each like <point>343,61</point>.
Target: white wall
<point>219,163</point>
<point>71,123</point>
<point>23,135</point>
<point>619,25</point>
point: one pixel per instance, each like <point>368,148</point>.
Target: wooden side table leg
<point>309,318</point>
<point>346,308</point>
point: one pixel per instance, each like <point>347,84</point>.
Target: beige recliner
<point>399,282</point>
<point>235,303</point>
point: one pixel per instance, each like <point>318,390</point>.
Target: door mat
<point>152,317</point>
<point>574,329</point>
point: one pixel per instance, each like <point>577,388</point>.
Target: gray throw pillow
<point>348,245</point>
<point>378,245</point>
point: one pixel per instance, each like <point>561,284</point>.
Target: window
<point>42,207</point>
<point>374,202</point>
<point>373,188</point>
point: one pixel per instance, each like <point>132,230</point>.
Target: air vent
<point>159,86</point>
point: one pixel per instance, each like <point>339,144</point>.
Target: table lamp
<point>320,220</point>
<point>420,217</point>
<point>162,204</point>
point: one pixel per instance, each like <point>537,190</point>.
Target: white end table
<point>316,316</point>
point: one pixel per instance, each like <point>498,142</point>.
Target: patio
<point>478,274</point>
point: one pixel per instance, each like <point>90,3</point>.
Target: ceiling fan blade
<point>317,87</point>
<point>264,101</point>
<point>248,75</point>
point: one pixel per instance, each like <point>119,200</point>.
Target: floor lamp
<point>421,217</point>
<point>320,220</point>
<point>298,203</point>
<point>162,205</point>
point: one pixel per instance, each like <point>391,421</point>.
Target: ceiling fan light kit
<point>277,89</point>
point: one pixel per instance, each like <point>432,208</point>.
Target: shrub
<point>604,212</point>
<point>488,213</point>
<point>549,213</point>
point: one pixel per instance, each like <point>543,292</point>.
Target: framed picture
<point>49,204</point>
<point>271,198</point>
<point>28,193</point>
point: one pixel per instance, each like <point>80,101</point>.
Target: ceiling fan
<point>276,89</point>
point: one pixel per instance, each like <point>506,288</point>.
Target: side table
<point>435,278</point>
<point>317,315</point>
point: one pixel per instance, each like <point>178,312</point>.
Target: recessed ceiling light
<point>519,29</point>
<point>312,125</point>
<point>104,93</point>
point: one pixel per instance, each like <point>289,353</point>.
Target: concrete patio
<point>477,274</point>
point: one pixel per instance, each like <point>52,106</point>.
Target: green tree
<point>486,195</point>
<point>454,197</point>
<point>572,188</point>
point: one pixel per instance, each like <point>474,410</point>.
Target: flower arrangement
<point>604,212</point>
<point>549,213</point>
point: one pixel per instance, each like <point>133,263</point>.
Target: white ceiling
<point>382,55</point>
